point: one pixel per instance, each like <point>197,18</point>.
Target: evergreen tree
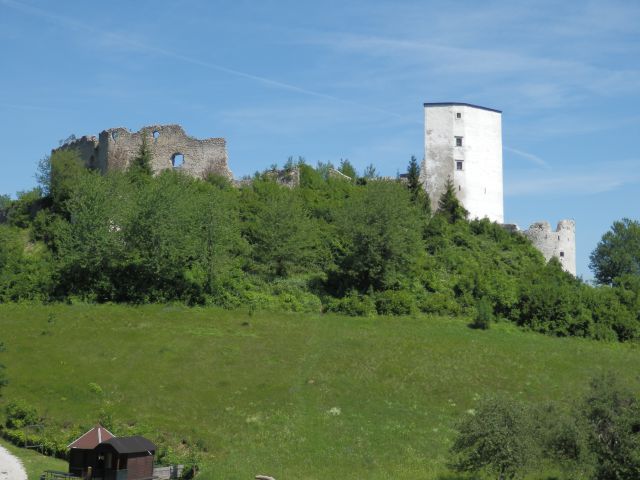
<point>449,206</point>
<point>418,194</point>
<point>413,176</point>
<point>142,161</point>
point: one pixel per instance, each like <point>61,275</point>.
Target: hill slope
<point>294,396</point>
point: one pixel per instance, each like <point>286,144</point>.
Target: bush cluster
<point>363,246</point>
<point>598,437</point>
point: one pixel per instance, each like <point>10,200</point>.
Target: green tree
<point>370,172</point>
<point>66,169</point>
<point>25,267</point>
<point>618,252</point>
<point>282,235</point>
<point>378,242</point>
<point>141,163</point>
<point>5,204</point>
<point>413,176</point>
<point>3,374</point>
<point>562,438</point>
<point>22,211</point>
<point>346,168</point>
<point>449,206</point>
<point>612,413</point>
<point>418,193</point>
<point>497,439</point>
<point>89,249</point>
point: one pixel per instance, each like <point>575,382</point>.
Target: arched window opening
<point>156,134</point>
<point>177,160</point>
<point>114,135</point>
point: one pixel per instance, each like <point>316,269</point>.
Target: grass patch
<point>290,395</point>
<point>33,462</point>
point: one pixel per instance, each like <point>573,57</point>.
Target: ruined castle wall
<point>87,149</point>
<point>118,147</point>
<point>559,243</point>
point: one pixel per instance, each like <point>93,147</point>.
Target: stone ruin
<point>559,243</point>
<point>170,146</point>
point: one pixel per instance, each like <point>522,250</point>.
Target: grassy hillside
<point>293,396</point>
<point>33,462</point>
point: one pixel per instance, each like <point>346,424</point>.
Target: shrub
<point>395,302</point>
<point>20,414</point>
<point>484,314</point>
<point>612,414</point>
<point>352,304</point>
<point>496,439</point>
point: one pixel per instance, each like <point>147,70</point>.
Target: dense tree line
<point>358,246</point>
<point>598,437</point>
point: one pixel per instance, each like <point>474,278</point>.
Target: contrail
<point>529,156</point>
<point>69,22</point>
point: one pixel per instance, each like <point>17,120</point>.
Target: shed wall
<point>139,466</point>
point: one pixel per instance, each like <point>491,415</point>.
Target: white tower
<point>463,142</point>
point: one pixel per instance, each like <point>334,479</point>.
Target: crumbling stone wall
<point>559,243</point>
<point>288,177</point>
<point>115,149</point>
<point>87,148</point>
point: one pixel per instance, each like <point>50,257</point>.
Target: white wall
<point>479,184</point>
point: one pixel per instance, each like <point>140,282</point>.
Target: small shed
<point>82,450</point>
<point>125,458</point>
<point>100,455</point>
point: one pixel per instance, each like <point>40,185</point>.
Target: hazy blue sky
<point>341,79</point>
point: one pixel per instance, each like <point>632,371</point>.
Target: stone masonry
<point>170,146</point>
<point>559,243</point>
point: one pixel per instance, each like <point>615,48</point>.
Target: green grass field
<point>293,396</point>
<point>33,462</point>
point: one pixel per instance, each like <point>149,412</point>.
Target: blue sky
<point>333,79</point>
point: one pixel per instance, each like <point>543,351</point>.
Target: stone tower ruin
<point>463,144</point>
<point>559,243</point>
<point>171,148</point>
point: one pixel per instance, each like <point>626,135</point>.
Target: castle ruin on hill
<point>170,146</point>
<point>463,144</point>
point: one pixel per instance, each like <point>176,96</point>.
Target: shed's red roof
<point>92,438</point>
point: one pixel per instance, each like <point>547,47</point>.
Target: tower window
<point>562,254</point>
<point>458,164</point>
<point>458,115</point>
<point>458,141</point>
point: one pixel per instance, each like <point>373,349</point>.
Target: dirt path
<point>10,467</point>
